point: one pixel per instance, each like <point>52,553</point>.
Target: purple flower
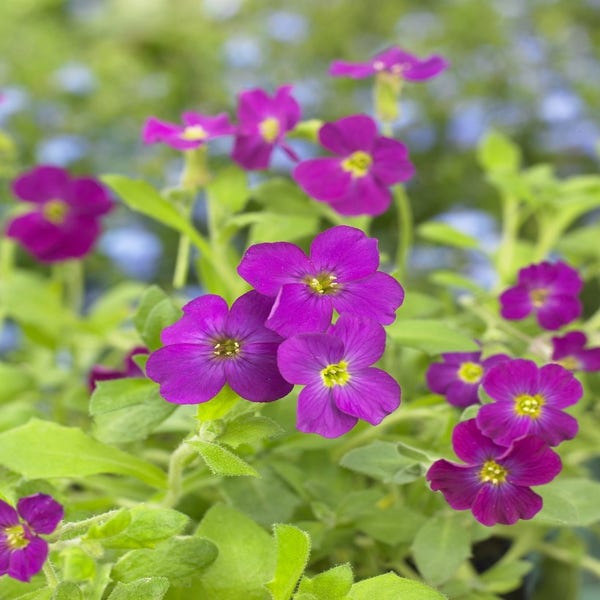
<point>529,401</point>
<point>102,373</point>
<point>495,481</point>
<point>65,221</point>
<point>549,290</point>
<point>22,551</point>
<point>212,345</point>
<point>356,181</point>
<point>195,131</point>
<point>264,121</point>
<point>393,61</point>
<point>459,376</point>
<point>340,274</point>
<point>341,386</point>
<point>570,352</point>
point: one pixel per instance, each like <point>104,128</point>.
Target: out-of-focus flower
<point>22,551</point>
<point>263,123</point>
<point>459,375</point>
<point>495,481</point>
<point>102,373</point>
<point>65,221</point>
<point>529,401</point>
<point>340,274</point>
<point>550,290</point>
<point>570,352</point>
<point>340,384</point>
<point>212,345</point>
<point>196,130</point>
<point>357,180</point>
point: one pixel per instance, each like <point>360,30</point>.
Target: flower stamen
<point>269,129</point>
<point>194,133</point>
<point>538,297</point>
<point>358,163</point>
<point>335,374</point>
<point>55,211</point>
<point>492,472</point>
<point>323,283</point>
<point>15,537</point>
<point>529,406</point>
<point>470,372</point>
<point>226,348</point>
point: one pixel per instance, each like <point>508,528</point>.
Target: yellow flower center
<point>226,348</point>
<point>357,163</point>
<point>15,537</point>
<point>538,297</point>
<point>323,283</point>
<point>529,406</point>
<point>55,211</point>
<point>336,374</point>
<point>570,362</point>
<point>194,133</point>
<point>493,473</point>
<point>269,129</point>
<point>470,372</point>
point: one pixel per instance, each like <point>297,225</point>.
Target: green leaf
<point>44,450</point>
<point>333,584</point>
<point>246,560</point>
<point>440,547</point>
<point>442,233</point>
<point>431,335</point>
<point>155,312</point>
<point>506,577</point>
<point>570,502</point>
<point>78,565</point>
<point>450,279</point>
<point>127,410</point>
<point>114,306</point>
<point>228,190</point>
<point>249,429</point>
<point>417,304</point>
<point>178,558</point>
<point>392,525</point>
<point>149,588</point>
<point>392,587</point>
<point>282,196</point>
<point>293,549</point>
<point>218,406</point>
<point>222,461</point>
<point>67,591</point>
<point>275,227</point>
<point>15,380</point>
<point>496,152</point>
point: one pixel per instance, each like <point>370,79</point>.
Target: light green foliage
<point>497,152</point>
<point>506,576</point>
<point>570,502</point>
<point>442,233</point>
<point>149,588</point>
<point>392,587</point>
<point>15,380</point>
<point>67,591</point>
<point>430,335</point>
<point>155,312</point>
<point>333,584</point>
<point>249,429</point>
<point>222,461</point>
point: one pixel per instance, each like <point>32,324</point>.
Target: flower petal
<point>88,198</point>
<point>458,483</point>
<point>42,512</point>
<point>500,422</point>
<point>322,178</point>
<point>390,161</point>
<point>462,394</point>
<point>558,311</point>
<point>558,386</point>
<point>529,461</point>
<point>246,319</point>
<point>364,339</point>
<point>425,69</point>
<point>505,503</point>
<point>440,375</point>
<point>8,516</point>
<point>355,70</point>
<point>25,563</point>
<point>252,152</point>
<point>515,303</point>
<point>511,378</point>
<point>366,196</point>
<point>41,184</point>
<point>471,445</point>
<point>155,130</point>
<point>349,134</point>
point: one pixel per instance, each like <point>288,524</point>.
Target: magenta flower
<point>22,551</point>
<point>495,481</point>
<point>529,401</point>
<point>341,273</point>
<point>569,351</point>
<point>546,289</point>
<point>212,345</point>
<point>394,61</point>
<point>65,221</point>
<point>459,376</point>
<point>264,121</point>
<point>102,373</point>
<point>195,131</point>
<point>341,386</point>
<point>356,181</point>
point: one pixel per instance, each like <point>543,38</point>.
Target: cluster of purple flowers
<point>281,334</point>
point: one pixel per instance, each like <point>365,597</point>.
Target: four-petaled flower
<point>393,61</point>
<point>195,131</point>
<point>263,123</point>
<point>22,551</point>
<point>495,481</point>
<point>102,373</point>
<point>357,180</point>
<point>570,352</point>
<point>340,274</point>
<point>340,384</point>
<point>550,290</point>
<point>529,401</point>
<point>65,222</point>
<point>459,376</point>
<point>212,345</point>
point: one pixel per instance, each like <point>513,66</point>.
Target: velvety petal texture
<point>65,220</point>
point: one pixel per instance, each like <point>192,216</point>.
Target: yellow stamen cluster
<point>226,348</point>
<point>538,297</point>
<point>358,163</point>
<point>570,362</point>
<point>55,211</point>
<point>15,537</point>
<point>493,473</point>
<point>335,374</point>
<point>194,133</point>
<point>470,372</point>
<point>529,406</point>
<point>269,129</point>
<point>323,283</point>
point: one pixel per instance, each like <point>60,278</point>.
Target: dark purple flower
<point>195,131</point>
<point>341,386</point>
<point>393,61</point>
<point>340,274</point>
<point>459,376</point>
<point>264,121</point>
<point>550,290</point>
<point>570,352</point>
<point>212,345</point>
<point>529,401</point>
<point>357,180</point>
<point>22,551</point>
<point>102,373</point>
<point>65,221</point>
<point>495,481</point>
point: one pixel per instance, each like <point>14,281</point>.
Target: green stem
<point>510,228</point>
<point>182,262</point>
<point>179,460</point>
<point>50,574</point>
<point>405,228</point>
<point>586,562</point>
<point>76,527</point>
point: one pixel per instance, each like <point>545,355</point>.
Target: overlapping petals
<point>570,352</point>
